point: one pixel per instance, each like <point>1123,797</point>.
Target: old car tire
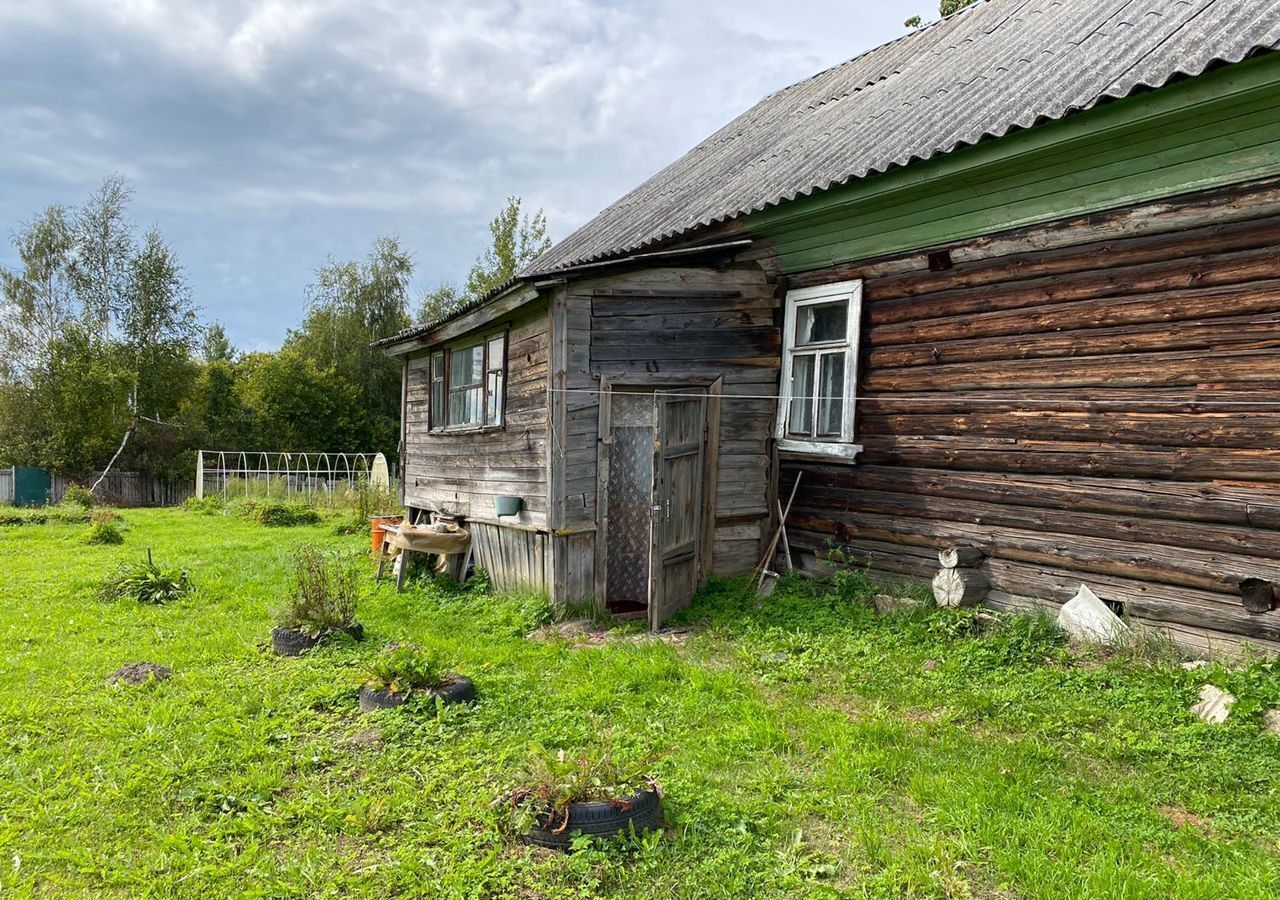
<point>601,819</point>
<point>288,642</point>
<point>371,699</point>
<point>459,689</point>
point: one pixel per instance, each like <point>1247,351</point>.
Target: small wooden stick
<point>777,535</point>
<point>786,544</point>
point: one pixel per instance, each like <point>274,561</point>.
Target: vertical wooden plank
<point>403,450</point>
<point>710,479</point>
<point>557,382</point>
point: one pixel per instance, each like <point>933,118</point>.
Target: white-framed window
<point>468,384</point>
<point>820,369</point>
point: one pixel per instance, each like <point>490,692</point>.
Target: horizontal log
<point>1252,298</point>
<point>1203,270</point>
<point>1152,603</point>
<point>1261,396</point>
<point>1233,332</point>
<point>1181,368</point>
<point>1200,569</point>
<point>1111,252</point>
<point>1242,428</point>
<point>846,506</point>
<point>1254,506</point>
<point>1072,458</point>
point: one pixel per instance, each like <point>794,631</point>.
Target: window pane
<point>822,322</point>
<point>831,394</point>
<point>496,357</point>
<point>437,403</point>
<point>466,367</point>
<point>493,415</point>
<point>800,419</point>
<point>464,406</point>
<point>436,378</point>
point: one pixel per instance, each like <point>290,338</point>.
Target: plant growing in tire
<point>564,799</point>
<point>403,671</point>
<point>324,590</point>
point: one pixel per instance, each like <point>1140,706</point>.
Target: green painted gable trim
<point>1216,129</point>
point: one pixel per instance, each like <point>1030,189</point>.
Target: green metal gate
<point>31,486</point>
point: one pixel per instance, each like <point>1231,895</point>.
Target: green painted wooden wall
<point>1219,128</point>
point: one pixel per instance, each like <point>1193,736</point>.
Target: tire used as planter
<point>291,642</point>
<point>458,689</point>
<point>598,818</point>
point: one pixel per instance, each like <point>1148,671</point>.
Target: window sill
<point>827,449</point>
<point>467,429</point>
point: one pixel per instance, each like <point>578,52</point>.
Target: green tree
<point>36,301</point>
<point>297,405</point>
<point>350,305</point>
<point>439,303</point>
<point>945,8</point>
<point>517,240</point>
<point>72,414</point>
<point>159,326</point>
<point>104,246</point>
<point>215,346</point>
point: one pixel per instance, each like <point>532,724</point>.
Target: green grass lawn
<point>804,748</point>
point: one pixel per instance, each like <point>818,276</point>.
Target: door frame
<point>713,386</point>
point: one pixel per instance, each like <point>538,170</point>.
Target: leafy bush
<point>552,781</point>
<point>211,505</point>
<point>146,582</point>
<point>284,515</point>
<point>104,528</point>
<point>78,495</point>
<point>403,668</point>
<point>323,592</point>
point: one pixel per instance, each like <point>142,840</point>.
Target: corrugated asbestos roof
<point>989,69</point>
<point>992,68</point>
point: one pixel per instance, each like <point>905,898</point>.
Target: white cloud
<point>263,134</point>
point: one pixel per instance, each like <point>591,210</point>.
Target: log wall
<point>1103,411</point>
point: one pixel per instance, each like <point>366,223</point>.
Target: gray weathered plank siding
<point>463,472</point>
<point>664,323</point>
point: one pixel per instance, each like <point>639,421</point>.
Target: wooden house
<point>1011,280</point>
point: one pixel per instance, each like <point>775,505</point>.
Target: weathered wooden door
<point>679,449</point>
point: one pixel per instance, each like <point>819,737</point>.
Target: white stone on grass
<point>1272,720</point>
<point>1086,618</point>
<point>1214,706</point>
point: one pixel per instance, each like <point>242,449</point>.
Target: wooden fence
<point>118,489</point>
<point>129,489</point>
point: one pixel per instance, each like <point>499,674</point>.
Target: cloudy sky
<point>263,136</point>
